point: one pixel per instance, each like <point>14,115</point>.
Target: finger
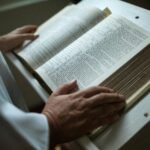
<point>94,90</point>
<point>108,109</point>
<point>66,88</point>
<point>26,29</point>
<point>23,37</point>
<point>105,98</point>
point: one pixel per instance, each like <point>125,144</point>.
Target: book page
<point>60,32</point>
<point>97,54</point>
<point>50,23</point>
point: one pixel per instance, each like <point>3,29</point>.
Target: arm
<point>21,130</point>
<point>74,114</point>
<point>69,114</point>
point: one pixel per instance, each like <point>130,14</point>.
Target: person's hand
<point>15,38</point>
<point>73,114</point>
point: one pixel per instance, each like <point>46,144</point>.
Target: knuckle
<point>102,87</point>
<point>22,36</point>
<point>82,99</point>
<point>82,102</point>
<point>71,96</point>
<point>102,96</point>
<point>115,96</point>
<point>95,87</point>
<point>118,96</point>
<point>63,87</point>
<point>80,94</point>
<point>92,102</point>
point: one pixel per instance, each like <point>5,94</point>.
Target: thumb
<point>66,88</point>
<point>25,29</point>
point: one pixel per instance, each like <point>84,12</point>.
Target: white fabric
<point>21,130</point>
<point>3,92</point>
<point>11,86</point>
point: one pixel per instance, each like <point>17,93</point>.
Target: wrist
<point>53,128</point>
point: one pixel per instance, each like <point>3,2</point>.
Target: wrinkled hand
<point>73,114</point>
<point>15,38</point>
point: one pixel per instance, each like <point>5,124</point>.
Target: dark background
<point>142,3</point>
<point>38,13</point>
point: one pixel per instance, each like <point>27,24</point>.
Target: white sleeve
<point>20,130</point>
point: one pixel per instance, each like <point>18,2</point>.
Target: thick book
<point>94,47</point>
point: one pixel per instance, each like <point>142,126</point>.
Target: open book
<point>83,43</point>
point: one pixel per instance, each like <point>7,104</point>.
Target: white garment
<point>21,130</point>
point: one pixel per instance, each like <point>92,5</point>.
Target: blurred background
<point>141,3</point>
<point>15,13</point>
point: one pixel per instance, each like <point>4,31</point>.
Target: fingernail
<point>73,82</point>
